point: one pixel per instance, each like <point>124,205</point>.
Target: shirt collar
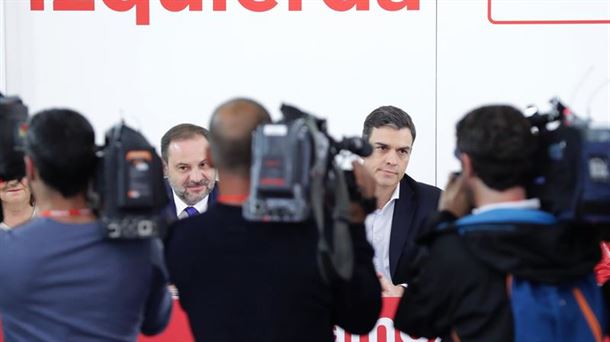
<point>395,196</point>
<point>201,206</point>
<point>532,203</point>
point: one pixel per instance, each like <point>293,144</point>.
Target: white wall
<point>2,50</point>
<point>436,63</point>
<point>482,63</point>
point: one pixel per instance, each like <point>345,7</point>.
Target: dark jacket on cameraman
<point>504,275</point>
<point>259,281</point>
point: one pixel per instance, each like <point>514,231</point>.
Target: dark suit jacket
<point>415,203</point>
<point>169,213</point>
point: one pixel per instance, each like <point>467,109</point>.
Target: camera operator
<point>60,278</point>
<point>259,281</point>
<point>507,271</point>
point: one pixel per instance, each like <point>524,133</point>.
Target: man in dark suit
<point>403,204</point>
<point>190,178</point>
<point>247,281</point>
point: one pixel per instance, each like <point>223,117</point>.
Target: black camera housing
<point>572,175</point>
<point>294,178</point>
<point>128,188</point>
<point>13,127</point>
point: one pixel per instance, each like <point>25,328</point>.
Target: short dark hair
<point>500,143</point>
<point>387,116</point>
<point>183,131</point>
<point>61,143</point>
<point>231,130</point>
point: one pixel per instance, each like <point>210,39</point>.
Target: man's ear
<point>165,168</point>
<point>208,154</point>
<point>30,168</point>
<point>467,169</point>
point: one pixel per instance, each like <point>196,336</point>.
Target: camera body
<point>572,168</point>
<point>128,186</point>
<point>282,157</point>
<point>13,123</point>
<point>289,158</point>
<point>294,178</point>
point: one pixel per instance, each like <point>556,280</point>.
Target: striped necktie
<point>188,212</point>
<point>191,211</point>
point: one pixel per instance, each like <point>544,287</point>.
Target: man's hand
<point>364,180</point>
<point>388,289</point>
<point>456,198</point>
<point>366,186</point>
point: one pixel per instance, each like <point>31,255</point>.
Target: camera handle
<point>337,261</point>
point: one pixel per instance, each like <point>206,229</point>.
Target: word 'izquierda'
<point>142,7</point>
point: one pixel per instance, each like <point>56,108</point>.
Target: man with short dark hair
<point>191,179</point>
<point>403,204</point>
<point>260,281</point>
<point>506,271</point>
<point>60,278</point>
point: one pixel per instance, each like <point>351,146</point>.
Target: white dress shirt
<point>201,206</point>
<point>378,230</point>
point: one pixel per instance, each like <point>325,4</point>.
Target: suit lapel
<point>170,209</point>
<point>213,195</point>
<point>404,211</point>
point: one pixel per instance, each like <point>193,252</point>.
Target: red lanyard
<point>232,199</point>
<point>66,213</point>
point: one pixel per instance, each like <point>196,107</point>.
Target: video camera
<point>128,187</point>
<point>572,176</point>
<point>13,118</point>
<point>127,193</point>
<point>294,177</point>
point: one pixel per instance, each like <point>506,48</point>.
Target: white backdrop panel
<point>339,65</point>
<point>481,63</point>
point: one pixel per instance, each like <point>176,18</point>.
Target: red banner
<point>178,329</point>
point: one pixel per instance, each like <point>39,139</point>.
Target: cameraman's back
<point>259,281</point>
<point>60,279</point>
<point>252,281</point>
<point>65,282</point>
<point>516,273</point>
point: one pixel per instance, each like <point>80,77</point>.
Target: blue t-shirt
<point>66,282</point>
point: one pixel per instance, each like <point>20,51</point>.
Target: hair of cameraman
<point>60,144</point>
<point>231,130</point>
<point>500,144</point>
